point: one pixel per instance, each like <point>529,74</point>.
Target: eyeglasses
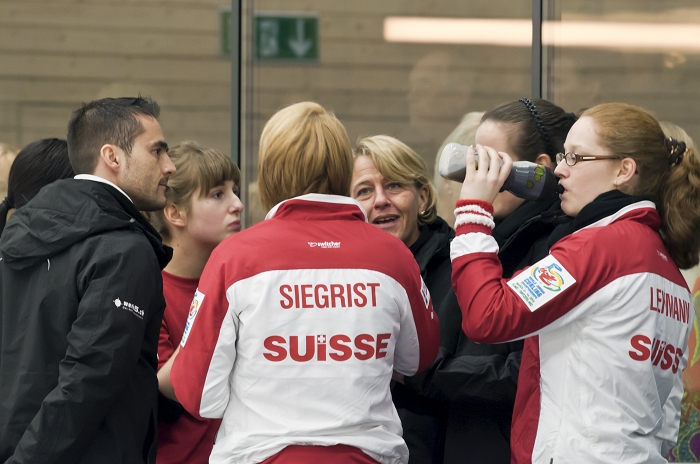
<point>573,158</point>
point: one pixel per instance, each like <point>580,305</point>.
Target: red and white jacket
<point>613,315</point>
<point>295,329</point>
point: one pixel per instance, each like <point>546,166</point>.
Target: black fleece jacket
<point>81,306</point>
<point>459,410</point>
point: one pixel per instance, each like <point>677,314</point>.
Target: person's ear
<point>626,172</point>
<point>176,216</point>
<point>109,154</point>
<point>422,199</point>
<point>544,160</point>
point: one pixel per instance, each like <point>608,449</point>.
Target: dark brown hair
<point>109,120</point>
<point>542,130</point>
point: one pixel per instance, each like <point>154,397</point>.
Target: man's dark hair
<point>109,120</point>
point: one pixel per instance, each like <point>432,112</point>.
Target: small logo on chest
<point>324,244</point>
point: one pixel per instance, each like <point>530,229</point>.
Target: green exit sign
<point>277,36</point>
<point>285,37</point>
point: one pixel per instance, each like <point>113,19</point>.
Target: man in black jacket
<point>81,297</point>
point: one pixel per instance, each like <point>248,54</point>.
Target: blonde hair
<point>198,169</point>
<point>397,162</point>
<point>632,132</point>
<point>303,149</point>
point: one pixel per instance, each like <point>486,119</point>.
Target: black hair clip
<point>676,149</point>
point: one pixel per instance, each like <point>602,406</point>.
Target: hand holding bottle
<point>525,180</point>
<point>483,181</point>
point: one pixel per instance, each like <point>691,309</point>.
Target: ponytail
<point>680,207</point>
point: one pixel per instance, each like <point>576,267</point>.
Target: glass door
<point>646,54</point>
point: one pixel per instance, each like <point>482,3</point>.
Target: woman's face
<point>497,135</point>
<point>391,206</point>
<point>584,181</point>
<point>216,215</point>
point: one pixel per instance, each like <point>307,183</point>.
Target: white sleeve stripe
<point>471,218</point>
<point>471,209</point>
<point>475,242</point>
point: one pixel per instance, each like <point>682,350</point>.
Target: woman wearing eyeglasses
<point>610,307</point>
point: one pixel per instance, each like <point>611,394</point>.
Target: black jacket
<point>523,236</point>
<point>81,307</point>
<point>459,410</point>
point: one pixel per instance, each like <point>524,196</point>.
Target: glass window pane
<point>415,91</point>
<point>646,54</point>
<point>57,54</point>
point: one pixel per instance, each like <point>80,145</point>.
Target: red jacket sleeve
<point>199,379</point>
<point>494,309</point>
<point>549,293</point>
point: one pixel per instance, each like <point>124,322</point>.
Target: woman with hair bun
<point>528,130</point>
<point>612,311</point>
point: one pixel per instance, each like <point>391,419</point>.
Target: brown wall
<point>55,54</point>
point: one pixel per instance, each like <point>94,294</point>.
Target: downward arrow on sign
<point>299,45</point>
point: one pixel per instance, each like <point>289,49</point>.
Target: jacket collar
<point>163,252</point>
<point>606,209</point>
<point>316,204</point>
<point>642,206</point>
<point>66,212</point>
<point>433,243</point>
<point>102,180</point>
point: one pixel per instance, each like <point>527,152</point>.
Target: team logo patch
<point>541,283</point>
<point>548,277</point>
<point>194,309</point>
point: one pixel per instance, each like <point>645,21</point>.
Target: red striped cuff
<point>474,216</point>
